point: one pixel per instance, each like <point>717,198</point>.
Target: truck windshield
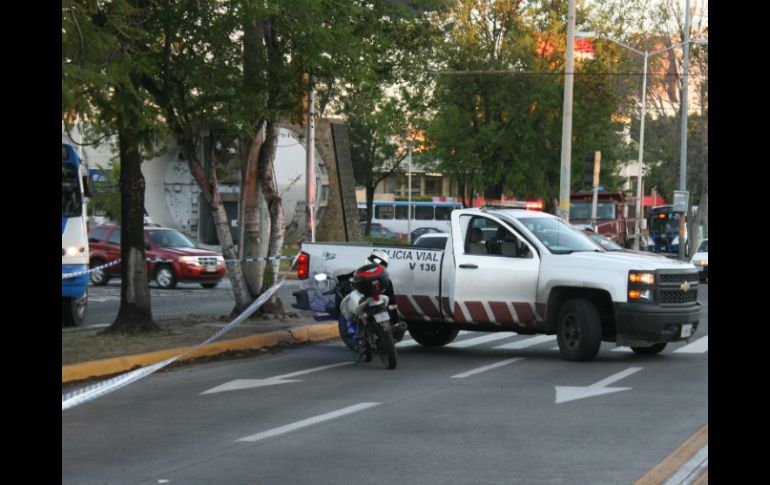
<point>605,211</point>
<point>558,236</point>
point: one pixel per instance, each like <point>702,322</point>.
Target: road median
<point>116,365</point>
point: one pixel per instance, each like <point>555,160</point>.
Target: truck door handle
<point>469,266</point>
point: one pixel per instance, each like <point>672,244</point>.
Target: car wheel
<point>651,350</point>
<point>99,277</point>
<point>73,310</point>
<point>165,278</point>
<point>579,330</point>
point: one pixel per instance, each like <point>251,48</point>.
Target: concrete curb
<point>105,367</point>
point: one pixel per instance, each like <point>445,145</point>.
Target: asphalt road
<point>487,409</point>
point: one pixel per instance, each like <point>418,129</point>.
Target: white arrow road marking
<point>239,384</point>
<point>700,346</point>
<point>529,342</point>
<point>479,370</point>
<point>309,422</point>
<point>572,393</point>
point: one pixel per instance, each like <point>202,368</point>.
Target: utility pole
<point>310,161</point>
<point>409,194</point>
<point>683,135</point>
<point>566,123</point>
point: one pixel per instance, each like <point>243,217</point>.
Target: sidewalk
<point>118,354</point>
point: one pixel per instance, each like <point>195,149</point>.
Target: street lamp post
<point>566,123</point>
<point>640,161</point>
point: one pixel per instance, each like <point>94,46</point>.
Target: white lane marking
<point>314,369</point>
<point>240,384</point>
<point>485,368</point>
<point>572,393</point>
<point>407,343</point>
<point>479,340</point>
<point>692,470</point>
<point>700,346</point>
<point>522,344</point>
<point>309,422</point>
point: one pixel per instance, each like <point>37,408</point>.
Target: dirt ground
<point>87,345</point>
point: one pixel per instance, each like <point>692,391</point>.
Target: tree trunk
<point>275,207</point>
<point>210,190</point>
<point>134,314</point>
<point>250,227</point>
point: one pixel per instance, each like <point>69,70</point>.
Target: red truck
<point>614,217</point>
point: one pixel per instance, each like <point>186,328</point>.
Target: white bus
<point>394,216</point>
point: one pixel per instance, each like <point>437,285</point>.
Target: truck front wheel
<point>431,336</point>
<point>579,330</point>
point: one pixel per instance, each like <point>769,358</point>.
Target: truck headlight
<point>188,260</point>
<point>637,277</point>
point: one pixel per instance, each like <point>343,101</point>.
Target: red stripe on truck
<point>405,307</point>
<point>427,306</point>
<point>524,311</point>
<point>501,312</point>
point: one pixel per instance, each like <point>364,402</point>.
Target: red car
<point>184,261</point>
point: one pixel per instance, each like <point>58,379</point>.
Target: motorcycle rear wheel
<point>387,350</point>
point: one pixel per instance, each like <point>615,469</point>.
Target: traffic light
<point>592,166</point>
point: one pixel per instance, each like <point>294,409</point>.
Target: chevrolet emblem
<point>685,286</point>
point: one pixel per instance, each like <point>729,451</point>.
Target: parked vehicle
<point>701,260</point>
<point>530,272</point>
<point>378,230</point>
<point>421,231</point>
<point>433,240</point>
<point>173,258</point>
<point>612,219</point>
<point>609,245</point>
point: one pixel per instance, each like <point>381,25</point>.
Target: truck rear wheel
<point>430,335</point>
<point>579,330</point>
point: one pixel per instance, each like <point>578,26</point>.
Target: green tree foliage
<point>106,199</point>
<point>498,102</point>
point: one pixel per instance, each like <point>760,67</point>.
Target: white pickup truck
<point>528,272</point>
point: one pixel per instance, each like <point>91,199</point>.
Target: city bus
<point>393,215</point>
<point>74,237</point>
<point>663,227</point>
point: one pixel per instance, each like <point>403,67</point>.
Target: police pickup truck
<point>531,273</point>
